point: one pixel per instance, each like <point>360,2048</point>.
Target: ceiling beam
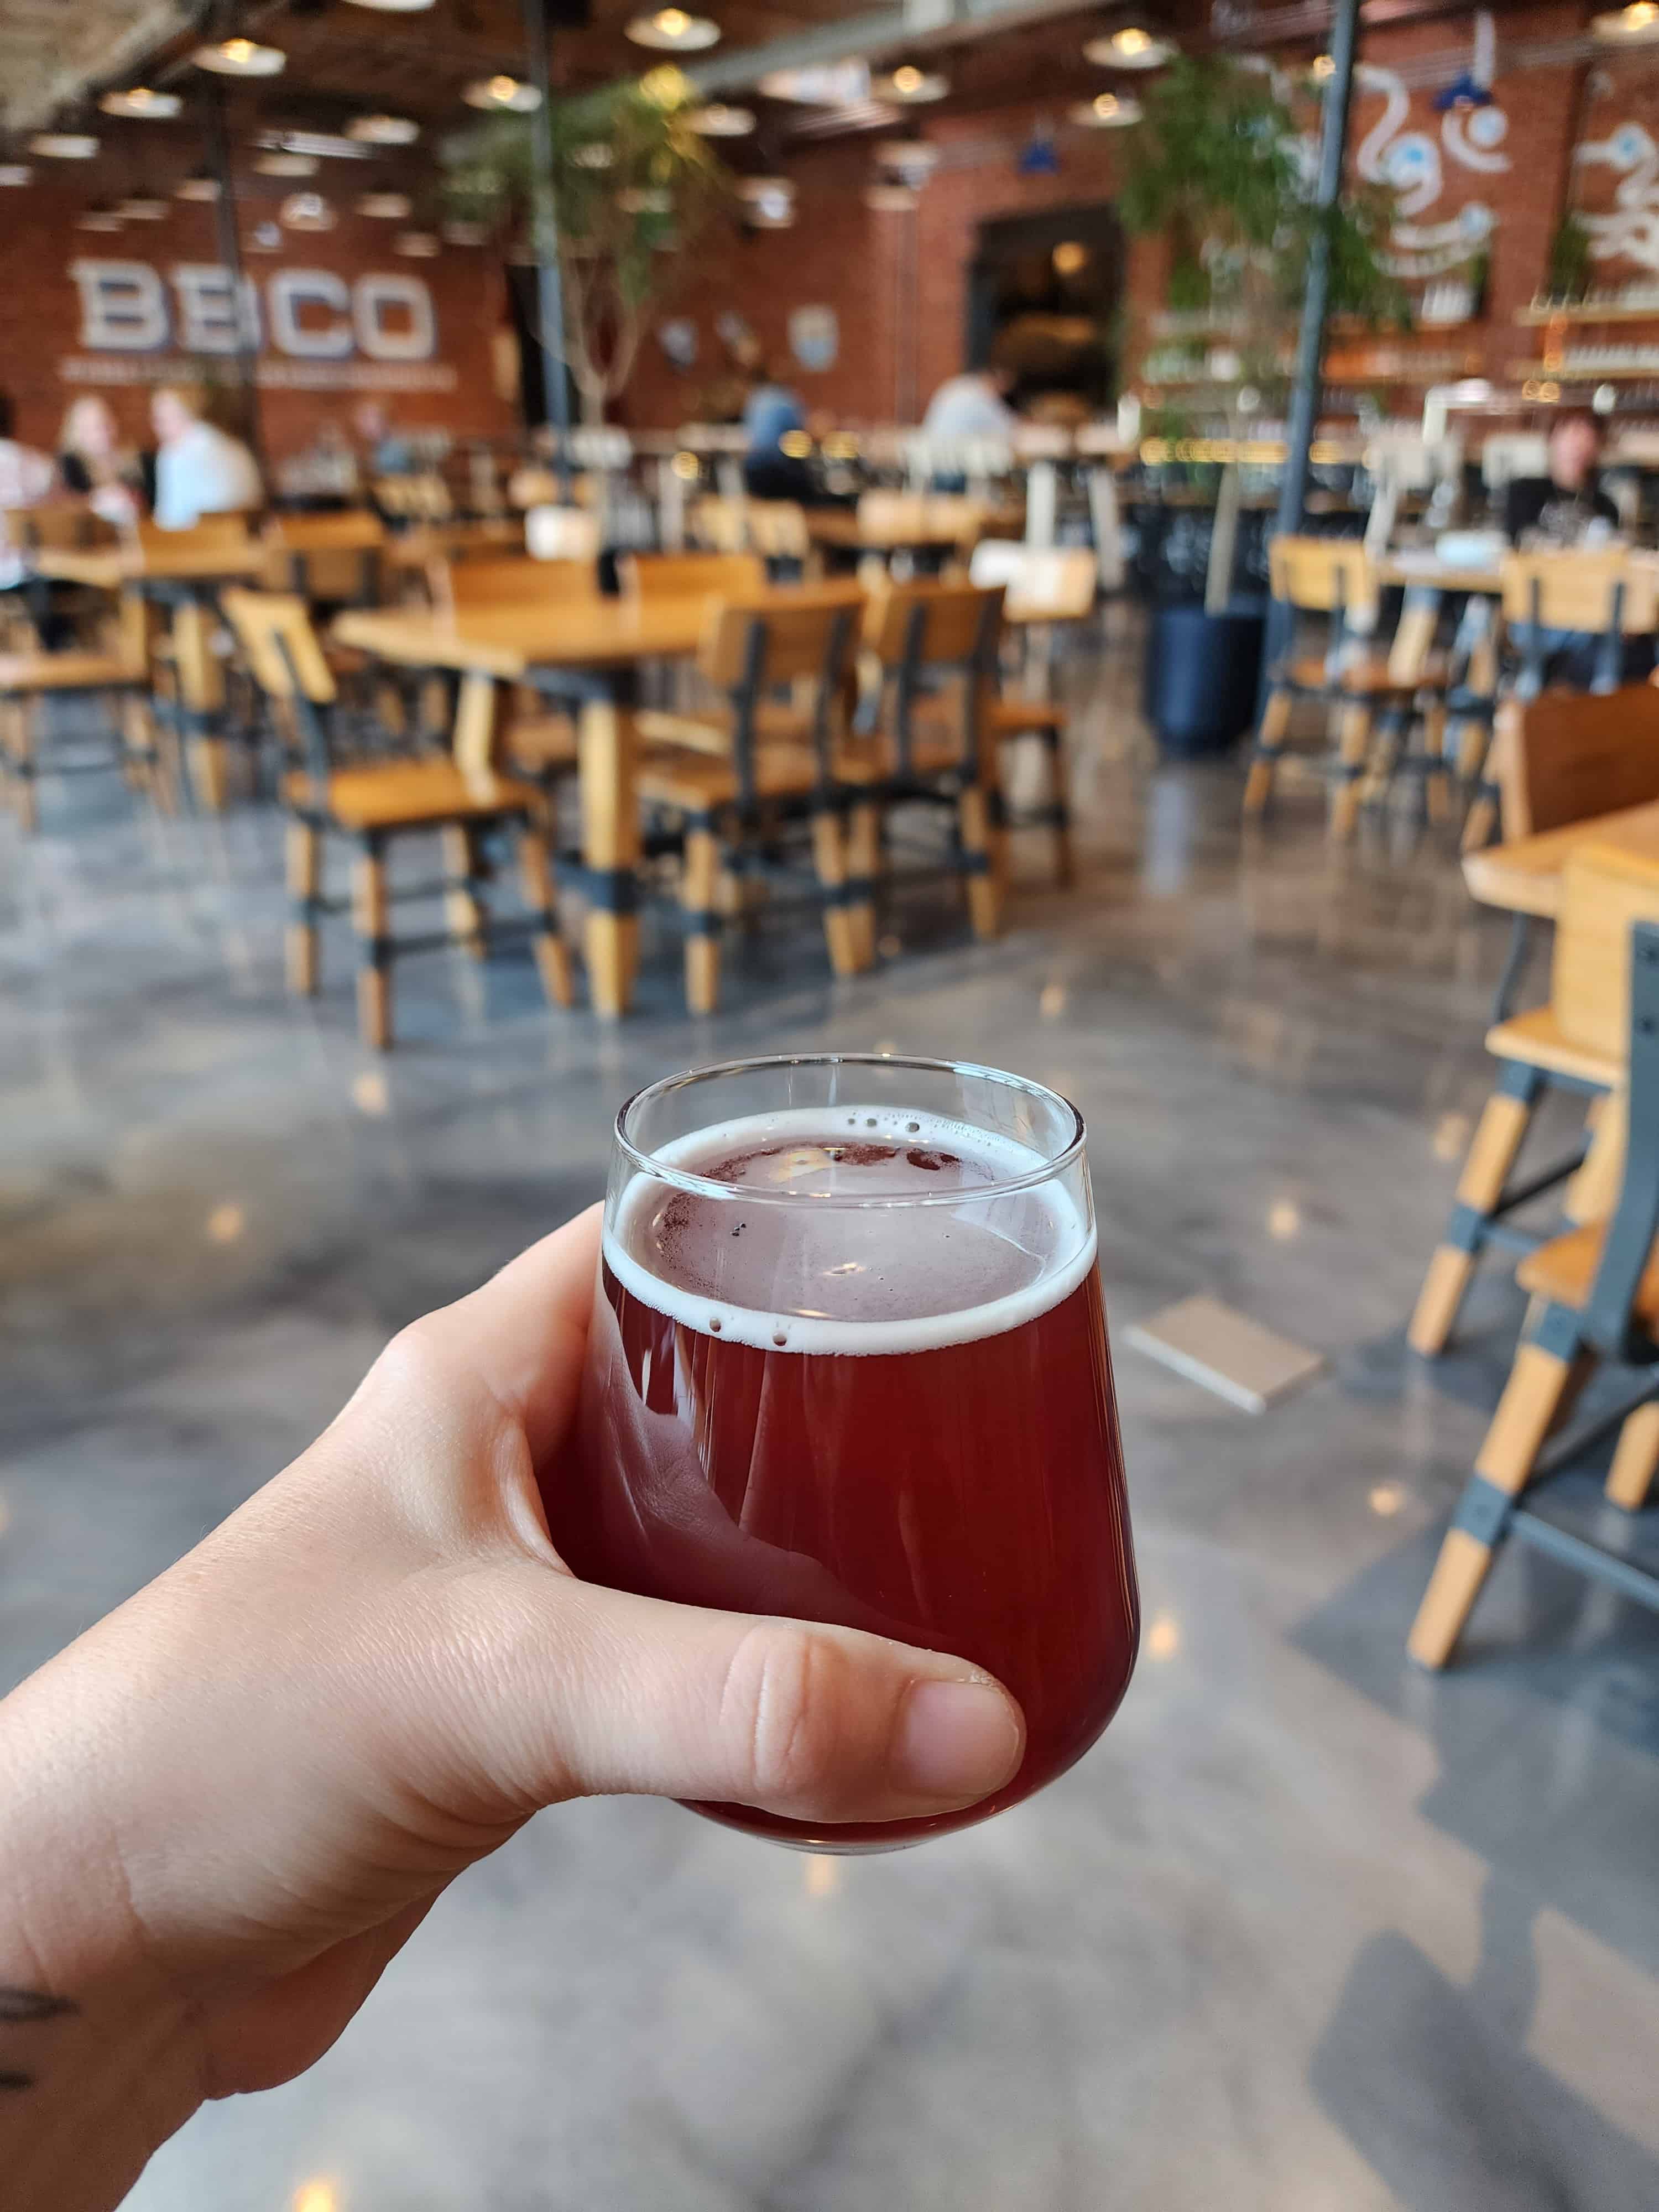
<point>903,30</point>
<point>77,46</point>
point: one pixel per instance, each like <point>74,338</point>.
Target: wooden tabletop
<point>110,566</point>
<point>508,641</point>
<point>1524,877</point>
<point>435,541</point>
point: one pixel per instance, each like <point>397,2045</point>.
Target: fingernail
<point>956,1740</point>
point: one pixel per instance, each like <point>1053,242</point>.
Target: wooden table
<point>590,653</point>
<point>1524,877</point>
<point>1428,581</point>
<point>191,575</point>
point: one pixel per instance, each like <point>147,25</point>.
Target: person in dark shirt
<point>1559,511</point>
<point>1562,505</point>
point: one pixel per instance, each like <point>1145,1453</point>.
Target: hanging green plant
<point>633,185</point>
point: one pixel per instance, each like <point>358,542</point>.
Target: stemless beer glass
<point>848,1362</point>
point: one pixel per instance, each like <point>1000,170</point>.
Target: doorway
<point>1043,292</point>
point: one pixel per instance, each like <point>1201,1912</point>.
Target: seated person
<point>1568,506</point>
<point>972,405</point>
<point>26,478</point>
<point>771,411</point>
<point>96,466</point>
<point>200,469</point>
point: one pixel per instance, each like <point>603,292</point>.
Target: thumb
<point>595,1691</point>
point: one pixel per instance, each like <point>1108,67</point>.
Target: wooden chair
<point>734,575</point>
<point>1371,696</point>
<point>537,739</point>
<point>338,559</point>
<point>1042,585</point>
<point>1606,595</point>
<point>372,805</point>
<point>1595,1289</point>
<point>1562,758</point>
<point>933,649</point>
<point>735,791</point>
<point>119,674</point>
<point>214,533</point>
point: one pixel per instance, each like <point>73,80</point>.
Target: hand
<point>224,1809</point>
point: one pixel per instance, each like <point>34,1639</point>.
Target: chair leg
<point>1353,744</point>
<point>829,857</point>
<point>1269,744</point>
<point>305,867</point>
<point>1540,1384</point>
<point>700,875</point>
<point>973,820</point>
<point>1058,808</point>
<point>863,867</point>
<point>1437,773</point>
<point>463,908</point>
<point>1594,1191</point>
<point>1492,1154</point>
<point>536,880</point>
<point>368,914</point>
<point>1636,1459</point>
<point>25,765</point>
<point>1383,757</point>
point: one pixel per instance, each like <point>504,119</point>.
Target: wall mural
<point>1629,232</point>
<point>1411,162</point>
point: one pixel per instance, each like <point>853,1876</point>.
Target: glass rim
<point>647,1163</point>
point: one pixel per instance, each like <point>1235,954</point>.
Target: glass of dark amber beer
<point>848,1362</point>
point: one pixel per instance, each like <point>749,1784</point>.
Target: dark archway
<point>1042,296</point>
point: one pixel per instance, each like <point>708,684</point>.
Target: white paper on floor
<point>1226,1353</point>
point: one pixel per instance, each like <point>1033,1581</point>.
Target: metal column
<point>550,291</point>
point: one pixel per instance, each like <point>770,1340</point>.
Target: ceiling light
<point>1634,25</point>
<point>326,145</point>
<point>911,85</point>
<point>1107,111</point>
<point>279,164</point>
<point>672,30</point>
<point>142,207</point>
<point>912,161</point>
<point>240,57</point>
<point>462,233</point>
<point>719,121</point>
<point>890,199</point>
<point>383,129</point>
<point>503,91</point>
<point>198,185</point>
<point>1324,66</point>
<point>385,207</point>
<point>264,238</point>
<point>141,105</point>
<point>307,211</point>
<point>770,202</point>
<point>98,218</point>
<point>415,244</point>
<point>597,154</point>
<point>1130,46</point>
<point>13,173</point>
<point>394,7</point>
<point>64,145</point>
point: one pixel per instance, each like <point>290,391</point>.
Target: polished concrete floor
<point>1308,1932</point>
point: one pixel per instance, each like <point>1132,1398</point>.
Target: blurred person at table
<point>384,450</point>
<point>200,468</point>
<point>27,478</point>
<point>95,465</point>
<point>771,413</point>
<point>972,405</point>
<point>1561,507</point>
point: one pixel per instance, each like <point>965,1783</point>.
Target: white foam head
<point>864,1229</point>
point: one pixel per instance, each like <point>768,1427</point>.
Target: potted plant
<point>1218,164</point>
<point>633,183</point>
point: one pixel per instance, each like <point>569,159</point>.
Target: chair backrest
<point>1603,892</point>
<point>1323,575</point>
<point>697,575</point>
<point>64,526</point>
<point>776,529</point>
<point>718,523</point>
<point>1566,756</point>
<point>561,533</point>
<point>934,626</point>
<point>424,497</point>
<point>777,637</point>
<point>274,629</point>
<point>1042,583</point>
<point>475,586</point>
<point>326,556</point>
<point>1603,590</point>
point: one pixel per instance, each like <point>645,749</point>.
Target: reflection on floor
<point>1308,1931</point>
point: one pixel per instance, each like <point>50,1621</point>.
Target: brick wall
<point>41,325</point>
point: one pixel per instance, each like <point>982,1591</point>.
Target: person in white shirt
<point>26,478</point>
<point>200,469</point>
<point>972,405</point>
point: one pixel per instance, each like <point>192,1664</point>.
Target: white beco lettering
<point>379,303</point>
<point>292,291</point>
<point>207,309</point>
<point>123,308</point>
